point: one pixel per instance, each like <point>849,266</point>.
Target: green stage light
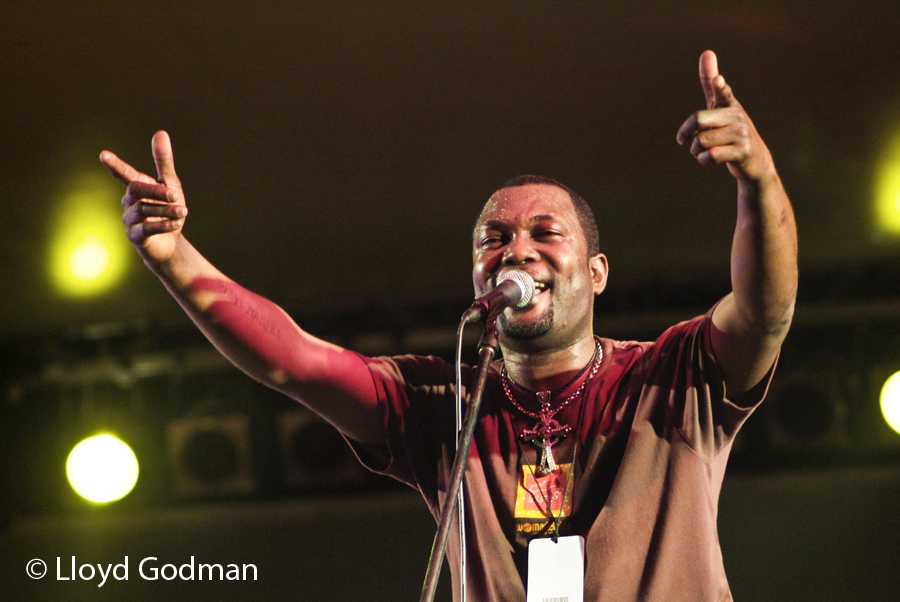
<point>890,401</point>
<point>102,469</point>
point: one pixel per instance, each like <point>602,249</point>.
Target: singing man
<point>622,444</point>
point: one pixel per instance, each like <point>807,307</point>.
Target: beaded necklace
<point>547,432</point>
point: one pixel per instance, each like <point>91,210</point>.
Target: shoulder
<point>411,370</point>
<point>683,338</point>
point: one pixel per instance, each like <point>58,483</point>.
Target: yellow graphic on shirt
<point>538,491</point>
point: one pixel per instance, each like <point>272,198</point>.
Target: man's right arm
<point>252,332</point>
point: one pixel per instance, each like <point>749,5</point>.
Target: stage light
<point>887,189</point>
<point>102,469</point>
<point>89,259</point>
<point>890,401</point>
<point>89,251</point>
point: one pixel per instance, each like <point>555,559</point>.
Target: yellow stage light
<point>90,259</point>
<point>89,250</point>
<point>890,401</point>
<point>102,469</point>
<point>887,189</point>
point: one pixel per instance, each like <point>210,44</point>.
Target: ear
<point>599,271</point>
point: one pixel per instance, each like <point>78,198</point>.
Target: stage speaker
<point>314,455</point>
<point>806,412</point>
<point>210,456</point>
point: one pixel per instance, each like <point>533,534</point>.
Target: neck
<point>546,370</point>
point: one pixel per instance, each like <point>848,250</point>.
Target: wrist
<point>167,268</point>
<point>758,184</point>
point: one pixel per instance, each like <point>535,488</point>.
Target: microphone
<point>514,289</point>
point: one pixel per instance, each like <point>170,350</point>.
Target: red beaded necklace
<point>547,432</point>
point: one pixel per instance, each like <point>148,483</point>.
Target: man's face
<point>533,228</point>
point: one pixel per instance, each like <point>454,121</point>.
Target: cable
<point>461,509</point>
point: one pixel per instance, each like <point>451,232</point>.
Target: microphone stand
<point>487,349</point>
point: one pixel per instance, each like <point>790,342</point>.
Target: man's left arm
<point>750,324</point>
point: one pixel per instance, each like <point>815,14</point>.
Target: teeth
<point>540,286</point>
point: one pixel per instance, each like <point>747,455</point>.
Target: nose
<point>520,251</point>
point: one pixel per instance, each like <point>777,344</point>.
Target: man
<point>621,443</point>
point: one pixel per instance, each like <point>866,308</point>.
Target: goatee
<point>525,331</point>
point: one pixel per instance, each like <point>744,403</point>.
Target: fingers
<point>688,128</point>
<point>722,108</point>
<point>709,73</point>
<point>723,133</point>
<point>151,205</point>
<point>707,120</point>
<point>717,92</point>
<point>719,148</point>
<point>144,219</point>
<point>153,213</point>
<point>122,171</point>
<point>153,191</point>
<point>164,158</point>
<point>152,194</point>
<point>722,154</point>
<point>717,136</point>
<point>145,210</point>
<point>712,138</point>
<point>724,96</point>
<point>141,231</point>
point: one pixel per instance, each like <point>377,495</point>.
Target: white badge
<point>556,570</point>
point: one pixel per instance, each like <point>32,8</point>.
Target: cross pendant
<point>547,431</point>
<point>547,464</point>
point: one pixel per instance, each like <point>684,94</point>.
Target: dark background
<point>335,156</point>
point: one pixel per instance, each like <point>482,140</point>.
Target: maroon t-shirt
<point>653,439</point>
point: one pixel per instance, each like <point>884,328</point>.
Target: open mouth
<point>539,289</point>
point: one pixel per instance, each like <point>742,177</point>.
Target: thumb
<point>709,72</point>
<point>164,158</point>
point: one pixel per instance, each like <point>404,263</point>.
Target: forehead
<point>521,204</point>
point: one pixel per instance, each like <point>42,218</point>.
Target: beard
<point>526,331</point>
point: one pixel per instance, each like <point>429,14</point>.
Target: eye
<point>491,241</point>
<point>547,234</point>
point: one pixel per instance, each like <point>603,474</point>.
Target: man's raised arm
<point>252,332</point>
<point>750,323</point>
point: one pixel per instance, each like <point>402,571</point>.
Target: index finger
<point>122,171</point>
<point>709,71</point>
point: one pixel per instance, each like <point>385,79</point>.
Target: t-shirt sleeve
<point>681,366</point>
<point>416,398</point>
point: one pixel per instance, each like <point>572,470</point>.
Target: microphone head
<point>525,282</point>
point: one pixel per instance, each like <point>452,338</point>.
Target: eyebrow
<point>500,224</point>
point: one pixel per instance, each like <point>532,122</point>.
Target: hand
<point>723,133</point>
<point>154,209</point>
